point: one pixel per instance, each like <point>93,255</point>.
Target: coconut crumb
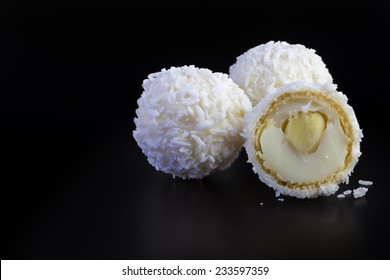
<point>365,183</point>
<point>281,199</point>
<point>261,203</point>
<point>340,196</point>
<point>359,192</point>
<point>347,192</point>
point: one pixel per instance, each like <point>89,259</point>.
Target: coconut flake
<point>359,192</point>
<point>365,183</point>
<point>347,192</point>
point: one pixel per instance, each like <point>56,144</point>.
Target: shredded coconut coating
<point>260,109</point>
<point>189,121</point>
<point>274,64</point>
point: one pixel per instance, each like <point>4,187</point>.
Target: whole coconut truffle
<point>189,121</point>
<point>274,64</point>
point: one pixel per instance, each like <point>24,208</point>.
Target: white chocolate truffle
<point>303,139</point>
<point>274,64</point>
<point>189,121</point>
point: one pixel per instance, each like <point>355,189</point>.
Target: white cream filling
<point>297,167</point>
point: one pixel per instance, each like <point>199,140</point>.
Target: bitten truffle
<point>189,121</point>
<point>274,64</point>
<point>303,139</point>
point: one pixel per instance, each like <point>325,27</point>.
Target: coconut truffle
<point>189,121</point>
<point>303,139</point>
<point>274,64</point>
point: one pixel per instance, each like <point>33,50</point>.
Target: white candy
<point>189,121</point>
<point>275,153</point>
<point>274,64</point>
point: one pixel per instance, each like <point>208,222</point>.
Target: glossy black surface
<point>76,186</point>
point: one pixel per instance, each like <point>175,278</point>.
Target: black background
<point>74,183</point>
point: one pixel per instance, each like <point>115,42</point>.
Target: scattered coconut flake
<point>340,196</point>
<point>347,192</point>
<point>365,183</point>
<point>359,192</point>
<point>281,199</point>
